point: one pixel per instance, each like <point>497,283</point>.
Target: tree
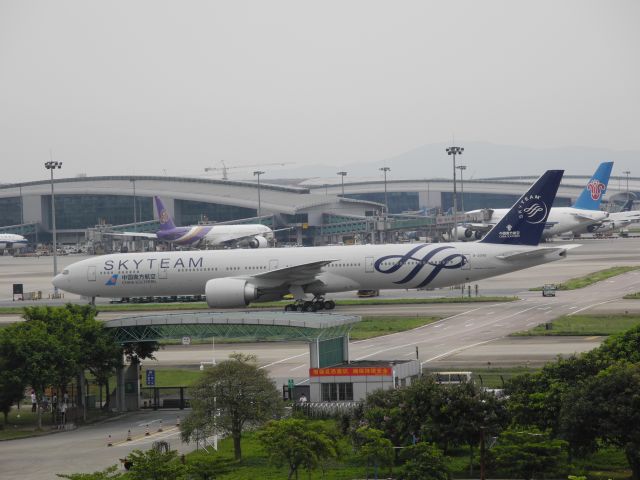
<point>155,464</point>
<point>228,396</point>
<point>527,454</point>
<point>373,449</point>
<point>607,408</point>
<point>12,387</point>
<point>423,461</point>
<point>297,443</point>
<point>206,466</point>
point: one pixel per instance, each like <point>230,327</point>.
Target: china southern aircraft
<point>12,241</point>
<point>251,235</point>
<point>583,213</point>
<point>233,278</point>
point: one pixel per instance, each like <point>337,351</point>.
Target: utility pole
<point>51,166</point>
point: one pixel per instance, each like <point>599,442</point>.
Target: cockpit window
<point>65,272</point>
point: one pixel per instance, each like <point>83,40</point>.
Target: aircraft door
<point>162,273</point>
<point>273,264</point>
<point>368,264</point>
<point>91,273</point>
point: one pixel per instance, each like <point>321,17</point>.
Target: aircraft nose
<point>59,280</point>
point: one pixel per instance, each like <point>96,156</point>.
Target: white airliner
<point>12,241</point>
<point>582,214</point>
<point>615,221</point>
<point>233,278</point>
<point>250,235</point>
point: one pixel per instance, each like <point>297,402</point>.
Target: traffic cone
<point>178,421</point>
<point>160,428</point>
<point>146,433</point>
<point>109,442</point>
<point>128,435</point>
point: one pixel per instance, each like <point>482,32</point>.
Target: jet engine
<point>465,234</point>
<point>229,292</point>
<point>258,242</point>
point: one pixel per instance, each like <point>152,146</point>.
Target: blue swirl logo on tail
<point>448,262</point>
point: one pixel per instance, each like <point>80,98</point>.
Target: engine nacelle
<point>229,293</point>
<point>463,234</point>
<point>258,242</point>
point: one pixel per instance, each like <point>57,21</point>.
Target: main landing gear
<point>318,303</point>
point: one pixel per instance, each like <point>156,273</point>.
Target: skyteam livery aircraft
<point>585,212</point>
<point>251,235</point>
<point>233,278</point>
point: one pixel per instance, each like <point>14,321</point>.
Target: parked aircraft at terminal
<point>12,241</point>
<point>615,221</point>
<point>233,278</point>
<point>583,213</point>
<point>251,235</point>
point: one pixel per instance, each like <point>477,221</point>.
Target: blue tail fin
<point>592,194</point>
<point>524,223</point>
<point>627,205</point>
<point>166,223</point>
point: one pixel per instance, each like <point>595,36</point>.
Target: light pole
<point>135,217</point>
<point>455,151</point>
<point>51,166</point>
<point>21,207</point>
<point>386,200</point>
<point>258,173</point>
<point>627,173</point>
<point>342,174</point>
<point>462,168</point>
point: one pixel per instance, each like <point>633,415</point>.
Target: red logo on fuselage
<point>596,187</point>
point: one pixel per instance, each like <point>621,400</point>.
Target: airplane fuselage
<point>12,241</point>
<point>211,234</point>
<point>391,266</point>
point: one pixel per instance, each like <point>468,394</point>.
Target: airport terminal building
<point>319,210</point>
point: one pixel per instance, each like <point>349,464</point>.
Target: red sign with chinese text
<point>350,371</point>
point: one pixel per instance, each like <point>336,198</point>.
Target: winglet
<point>524,222</point>
<point>166,223</point>
<point>592,194</point>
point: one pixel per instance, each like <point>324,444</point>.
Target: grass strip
<point>586,325</point>
<point>632,296</point>
<point>152,307</point>
<point>589,279</point>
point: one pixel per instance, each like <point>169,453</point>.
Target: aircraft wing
<point>538,252</point>
<point>586,218</point>
<point>131,234</point>
<point>297,274</point>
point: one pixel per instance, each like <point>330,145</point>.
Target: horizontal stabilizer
<point>539,252</point>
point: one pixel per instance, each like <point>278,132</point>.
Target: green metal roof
<point>245,326</point>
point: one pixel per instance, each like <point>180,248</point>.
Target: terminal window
<point>333,392</point>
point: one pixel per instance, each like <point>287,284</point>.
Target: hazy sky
<point>153,87</point>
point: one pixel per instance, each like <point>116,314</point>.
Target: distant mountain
<point>482,160</point>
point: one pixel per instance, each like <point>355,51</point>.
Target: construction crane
<point>224,168</point>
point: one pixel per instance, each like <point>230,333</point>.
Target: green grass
<point>632,296</point>
<point>255,463</point>
<point>590,279</point>
<point>172,377</point>
<point>585,325</point>
<point>371,327</point>
<point>142,307</point>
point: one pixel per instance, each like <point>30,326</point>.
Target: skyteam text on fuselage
<point>250,235</point>
<point>233,278</point>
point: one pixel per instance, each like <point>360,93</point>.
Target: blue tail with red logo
<point>592,194</point>
<point>524,223</point>
<point>166,223</point>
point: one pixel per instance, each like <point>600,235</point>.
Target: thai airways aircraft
<point>583,213</point>
<point>233,278</point>
<point>251,235</point>
<point>12,241</point>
